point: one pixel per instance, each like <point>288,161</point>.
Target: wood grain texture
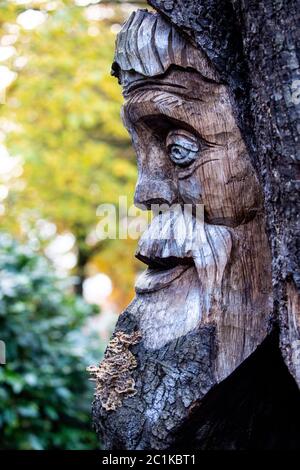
<point>205,302</point>
<point>255,48</point>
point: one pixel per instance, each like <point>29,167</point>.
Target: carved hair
<point>148,45</point>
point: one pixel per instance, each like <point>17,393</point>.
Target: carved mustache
<point>170,237</point>
<point>177,237</point>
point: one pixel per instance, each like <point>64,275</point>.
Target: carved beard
<point>187,260</point>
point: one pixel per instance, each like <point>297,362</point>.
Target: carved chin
<point>167,305</point>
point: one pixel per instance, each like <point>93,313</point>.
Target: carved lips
<point>176,240</point>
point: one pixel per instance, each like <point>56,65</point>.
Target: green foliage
<point>76,154</point>
<point>45,395</point>
<point>66,105</point>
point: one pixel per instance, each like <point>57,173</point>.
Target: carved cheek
<point>214,193</point>
<point>190,189</point>
<point>229,190</point>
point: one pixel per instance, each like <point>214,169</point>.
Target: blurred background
<point>63,153</point>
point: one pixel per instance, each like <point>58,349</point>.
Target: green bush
<point>45,395</point>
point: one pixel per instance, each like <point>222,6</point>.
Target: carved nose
<point>154,191</point>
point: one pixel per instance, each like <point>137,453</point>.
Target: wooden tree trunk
<point>212,104</point>
<point>255,47</point>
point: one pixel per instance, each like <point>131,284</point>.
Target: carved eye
<point>183,147</point>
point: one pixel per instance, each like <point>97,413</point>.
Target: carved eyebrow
<point>157,110</point>
<point>159,123</point>
<point>142,104</point>
<point>145,83</point>
<point>159,119</point>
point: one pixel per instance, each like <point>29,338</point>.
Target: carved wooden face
<point>189,148</point>
<point>204,302</point>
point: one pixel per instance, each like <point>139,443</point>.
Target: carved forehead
<point>148,45</point>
